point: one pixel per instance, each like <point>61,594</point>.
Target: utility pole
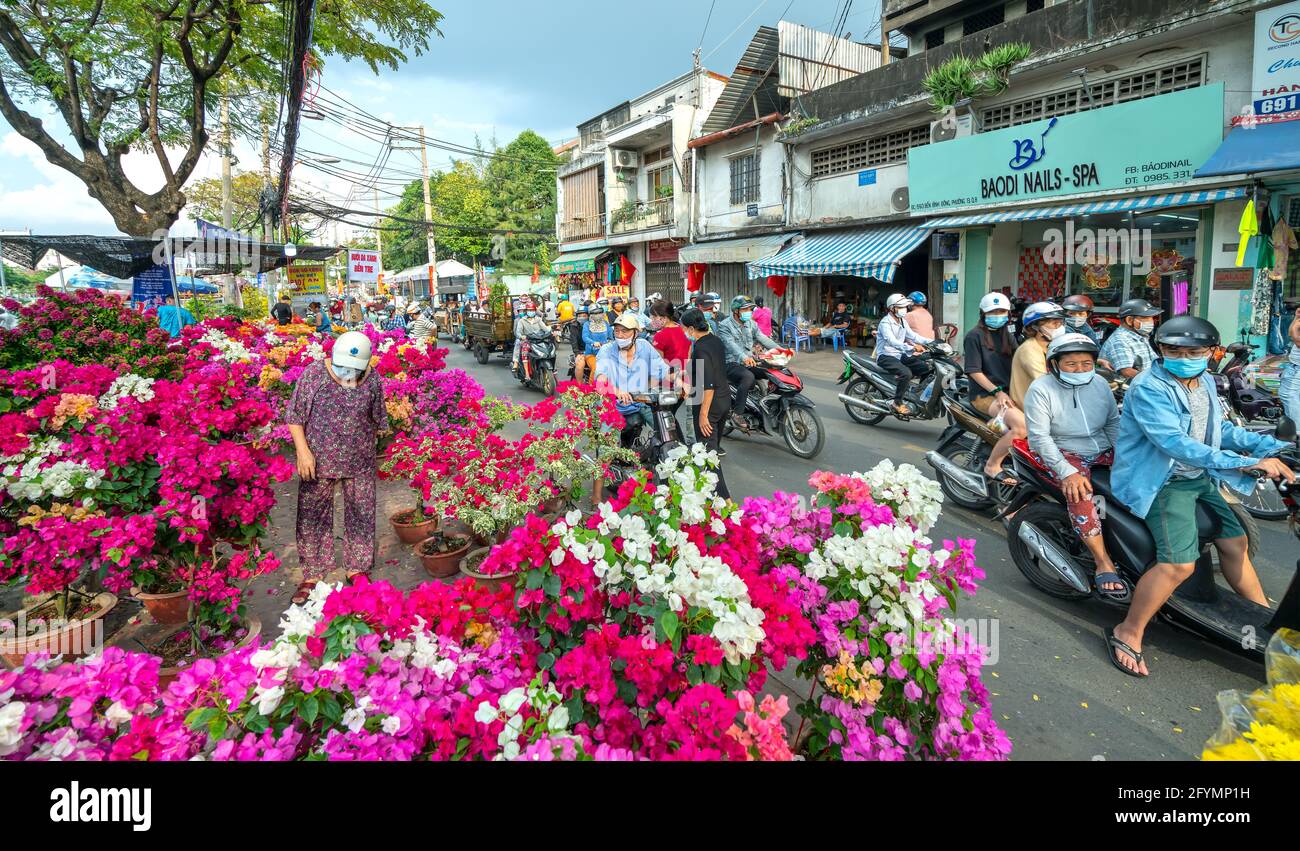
<point>226,214</point>
<point>379,239</point>
<point>428,220</point>
<point>267,232</point>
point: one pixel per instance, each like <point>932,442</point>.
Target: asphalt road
<point>1055,692</point>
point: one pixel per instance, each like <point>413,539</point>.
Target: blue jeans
<point>1289,391</point>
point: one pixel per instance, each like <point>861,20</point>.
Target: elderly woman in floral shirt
<point>335,416</point>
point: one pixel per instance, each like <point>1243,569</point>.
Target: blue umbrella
<point>187,284</point>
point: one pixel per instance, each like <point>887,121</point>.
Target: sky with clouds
<point>502,66</point>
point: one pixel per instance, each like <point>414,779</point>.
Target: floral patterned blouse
<point>342,424</point>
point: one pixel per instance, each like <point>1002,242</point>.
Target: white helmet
<point>994,301</point>
<point>897,300</point>
<point>352,350</point>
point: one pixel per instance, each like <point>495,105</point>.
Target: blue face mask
<point>1078,379</point>
<point>530,314</point>
<point>747,316</point>
<point>1187,367</point>
<point>996,322</point>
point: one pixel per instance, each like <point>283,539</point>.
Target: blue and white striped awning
<point>871,253</point>
<point>1121,205</point>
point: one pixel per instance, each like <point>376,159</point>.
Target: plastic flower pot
<point>72,640</point>
<point>469,567</point>
<point>173,608</point>
<point>409,532</point>
<point>441,554</point>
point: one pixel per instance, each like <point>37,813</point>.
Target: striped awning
<point>869,253</point>
<point>1119,205</point>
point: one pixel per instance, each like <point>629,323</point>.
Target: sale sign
<point>307,279</point>
<point>363,266</point>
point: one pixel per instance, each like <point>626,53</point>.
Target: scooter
<point>963,450</point>
<point>651,444</point>
<point>1248,402</point>
<point>1051,556</point>
<point>782,410</point>
<point>536,367</point>
<point>869,397</point>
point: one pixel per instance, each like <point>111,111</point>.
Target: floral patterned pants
<point>315,528</point>
<point>1083,514</point>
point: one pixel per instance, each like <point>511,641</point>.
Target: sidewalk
<point>822,362</point>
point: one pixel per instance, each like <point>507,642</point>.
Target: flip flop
<point>1114,647</point>
<point>1004,477</point>
<point>1116,595</point>
<point>305,588</point>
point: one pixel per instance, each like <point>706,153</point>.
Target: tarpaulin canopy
<point>573,262</point>
<point>867,253</point>
<point>744,250</point>
<point>1250,150</point>
<point>125,256</point>
<point>453,269</point>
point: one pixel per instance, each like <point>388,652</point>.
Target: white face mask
<point>624,344</point>
<point>1056,332</point>
<point>347,375</point>
<point>1146,328</point>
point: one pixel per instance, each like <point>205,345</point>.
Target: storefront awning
<point>873,253</point>
<point>734,250</point>
<point>1250,150</point>
<point>1121,205</point>
<point>577,261</point>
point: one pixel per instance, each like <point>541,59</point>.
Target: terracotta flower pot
<point>72,640</point>
<point>173,608</point>
<point>440,565</point>
<point>412,533</point>
<point>168,675</point>
<point>492,582</point>
<point>493,540</point>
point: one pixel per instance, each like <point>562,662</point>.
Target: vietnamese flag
<point>536,274</point>
<point>626,269</point>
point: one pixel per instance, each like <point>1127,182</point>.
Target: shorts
<point>984,404</point>
<point>1172,518</point>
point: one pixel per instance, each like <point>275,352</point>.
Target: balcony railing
<point>586,227</point>
<point>644,216</point>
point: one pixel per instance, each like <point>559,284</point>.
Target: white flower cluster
<point>912,494</point>
<point>136,386</point>
<point>544,700</point>
<point>315,351</point>
<point>11,721</point>
<point>228,350</point>
<point>26,477</point>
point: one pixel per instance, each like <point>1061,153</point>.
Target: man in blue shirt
<point>629,367</point>
<point>1128,349</point>
<point>1174,451</point>
<point>172,318</point>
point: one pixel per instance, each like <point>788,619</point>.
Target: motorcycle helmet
<point>581,310</point>
<point>1079,304</point>
<point>917,297</point>
<point>352,351</point>
<point>1139,307</point>
<point>741,302</point>
<point>1041,312</point>
<point>1189,331</point>
<point>895,301</point>
<point>1067,344</point>
<point>629,321</point>
<point>994,301</point>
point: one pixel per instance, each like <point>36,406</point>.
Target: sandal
<point>1114,647</point>
<point>1114,595</point>
<point>304,591</point>
<point>352,576</point>
<point>1003,477</point>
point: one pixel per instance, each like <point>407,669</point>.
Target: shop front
<point>1128,218</point>
<point>721,267</point>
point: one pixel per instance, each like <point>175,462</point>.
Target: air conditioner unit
<point>626,159</point>
<point>900,200</point>
<point>951,127</point>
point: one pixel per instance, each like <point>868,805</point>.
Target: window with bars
<point>1144,84</point>
<point>933,39</point>
<point>864,153</point>
<point>983,20</point>
<point>744,179</point>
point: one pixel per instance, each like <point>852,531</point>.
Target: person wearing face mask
<point>335,416</point>
<point>1073,423</point>
<point>898,348</point>
<point>596,334</point>
<point>919,319</point>
<point>1174,451</point>
<point>669,338</point>
<point>1044,322</point>
<point>634,308</point>
<point>740,337</point>
<point>527,324</point>
<point>631,366</point>
<point>989,348</point>
<point>1128,349</point>
<point>710,396</point>
<point>1078,312</point>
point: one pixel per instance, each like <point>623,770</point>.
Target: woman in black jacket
<point>710,394</point>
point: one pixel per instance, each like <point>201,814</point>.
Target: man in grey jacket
<point>739,335</point>
<point>1073,424</point>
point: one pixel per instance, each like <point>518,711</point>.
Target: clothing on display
<point>1246,228</point>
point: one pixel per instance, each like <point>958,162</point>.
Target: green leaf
<point>545,639</point>
<point>534,580</point>
<point>844,529</point>
<point>669,623</point>
<point>545,661</point>
<point>330,709</point>
<point>551,586</point>
<point>310,709</point>
<point>217,727</point>
<point>198,717</point>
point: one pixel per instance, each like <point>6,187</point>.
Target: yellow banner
<point>307,279</point>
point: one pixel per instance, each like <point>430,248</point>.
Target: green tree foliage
<point>147,75</point>
<point>521,181</point>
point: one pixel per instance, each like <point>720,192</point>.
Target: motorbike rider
<point>1078,312</point>
<point>1073,423</point>
<point>1128,350</point>
<point>918,318</point>
<point>739,335</point>
<point>631,365</point>
<point>529,324</point>
<point>1175,449</point>
<point>989,348</point>
<point>576,327</point>
<point>596,334</point>
<point>422,325</point>
<point>898,348</point>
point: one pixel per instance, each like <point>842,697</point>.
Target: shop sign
<point>363,267</point>
<point>867,178</point>
<point>662,251</point>
<point>1135,145</point>
<point>152,285</point>
<point>1233,279</point>
<point>307,279</point>
<point>612,291</point>
<point>1276,77</point>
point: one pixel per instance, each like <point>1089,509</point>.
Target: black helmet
<point>1138,307</point>
<point>1187,330</point>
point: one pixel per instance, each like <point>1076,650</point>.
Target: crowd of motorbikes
<point>1043,544</point>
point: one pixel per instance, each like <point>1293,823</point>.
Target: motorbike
<point>869,396</point>
<point>651,444</point>
<point>781,410</point>
<point>1050,555</point>
<point>536,367</point>
<point>959,459</point>
<point>1248,402</point>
